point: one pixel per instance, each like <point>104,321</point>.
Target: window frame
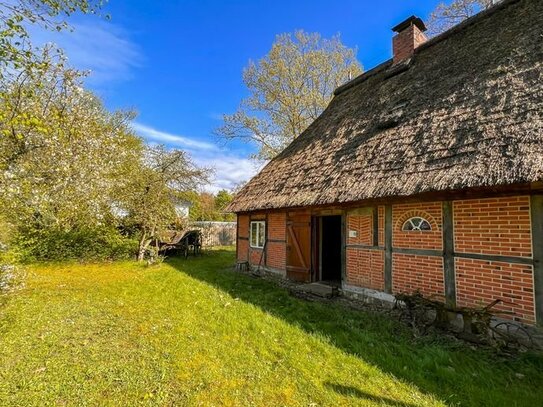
<point>422,220</point>
<point>260,235</point>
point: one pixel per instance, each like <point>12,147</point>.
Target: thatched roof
<point>466,111</point>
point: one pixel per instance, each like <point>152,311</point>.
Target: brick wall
<point>275,256</point>
<point>405,42</point>
<point>493,226</point>
<point>363,225</point>
<point>242,249</point>
<point>413,272</point>
<point>428,239</point>
<point>276,250</point>
<point>243,226</point>
<point>365,268</point>
<point>479,282</point>
<point>277,226</point>
<point>256,256</point>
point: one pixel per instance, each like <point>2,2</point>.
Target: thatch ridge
<point>465,111</point>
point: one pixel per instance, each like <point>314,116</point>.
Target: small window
<point>416,223</point>
<point>258,234</point>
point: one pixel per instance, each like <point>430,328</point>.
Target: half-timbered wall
<point>473,252</point>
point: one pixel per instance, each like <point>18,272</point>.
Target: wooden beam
<point>448,254</point>
<point>536,207</point>
<point>388,249</point>
<point>495,257</point>
<point>418,252</point>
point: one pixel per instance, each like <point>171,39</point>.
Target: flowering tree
<point>62,154</point>
<point>150,195</point>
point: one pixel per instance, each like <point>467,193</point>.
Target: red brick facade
<point>365,268</point>
<point>274,256</point>
<point>432,239</point>
<point>492,251</point>
<point>363,226</point>
<point>276,247</point>
<point>493,226</point>
<point>479,282</point>
<point>405,43</point>
<point>411,273</point>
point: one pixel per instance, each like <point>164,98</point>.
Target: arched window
<point>416,223</point>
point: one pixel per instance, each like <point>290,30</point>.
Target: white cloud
<point>230,168</point>
<point>98,46</point>
<point>161,137</point>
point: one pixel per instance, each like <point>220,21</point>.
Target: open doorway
<point>330,249</point>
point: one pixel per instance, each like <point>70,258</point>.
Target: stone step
<point>320,289</point>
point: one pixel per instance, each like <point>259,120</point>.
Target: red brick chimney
<point>410,36</point>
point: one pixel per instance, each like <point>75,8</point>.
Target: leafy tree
<point>222,199</point>
<point>149,198</point>
<point>203,207</point>
<point>446,16</point>
<point>289,88</point>
<point>16,15</point>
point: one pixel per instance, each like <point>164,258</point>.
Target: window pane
<point>262,234</point>
<point>416,223</point>
<point>253,236</point>
<point>425,225</point>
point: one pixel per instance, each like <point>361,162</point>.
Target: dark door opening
<point>330,249</point>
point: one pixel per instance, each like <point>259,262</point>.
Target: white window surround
<point>257,234</point>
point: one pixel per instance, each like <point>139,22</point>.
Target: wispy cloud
<point>101,47</point>
<point>230,167</point>
<point>169,139</point>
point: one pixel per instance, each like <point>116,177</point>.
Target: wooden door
<point>299,247</point>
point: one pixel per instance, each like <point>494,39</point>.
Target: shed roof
<point>465,111</point>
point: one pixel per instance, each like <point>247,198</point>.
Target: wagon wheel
<point>512,336</point>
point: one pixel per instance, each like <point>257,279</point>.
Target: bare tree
<point>447,15</point>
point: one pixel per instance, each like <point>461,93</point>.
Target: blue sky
<point>179,63</point>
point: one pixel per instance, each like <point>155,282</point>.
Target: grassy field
<point>189,332</point>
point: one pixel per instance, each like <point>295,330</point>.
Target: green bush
<point>81,244</point>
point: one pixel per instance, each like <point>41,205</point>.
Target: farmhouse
<point>423,174</point>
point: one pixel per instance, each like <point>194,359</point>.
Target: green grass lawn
<point>189,332</point>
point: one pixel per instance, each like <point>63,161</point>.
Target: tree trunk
<point>144,243</point>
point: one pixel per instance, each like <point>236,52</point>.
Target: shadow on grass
<point>451,371</point>
<point>350,391</point>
